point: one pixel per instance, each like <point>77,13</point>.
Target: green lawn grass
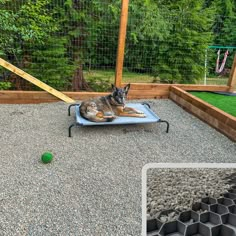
<point>132,77</point>
<point>215,81</point>
<point>109,75</point>
<point>223,102</point>
<point>101,80</point>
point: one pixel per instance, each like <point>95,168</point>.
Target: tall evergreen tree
<point>50,63</point>
<point>34,43</point>
<point>146,27</point>
<point>225,12</point>
<point>87,25</point>
<point>181,57</point>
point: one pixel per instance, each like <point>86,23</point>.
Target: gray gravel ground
<point>179,189</point>
<point>93,185</point>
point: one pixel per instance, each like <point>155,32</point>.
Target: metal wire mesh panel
<point>169,43</point>
<point>70,45</point>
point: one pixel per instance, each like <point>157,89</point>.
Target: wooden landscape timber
<point>137,91</point>
<point>159,91</point>
<point>166,87</point>
<point>29,97</point>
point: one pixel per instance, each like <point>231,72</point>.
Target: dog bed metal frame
<point>151,117</point>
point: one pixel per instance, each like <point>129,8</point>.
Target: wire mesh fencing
<point>71,45</point>
<point>177,47</point>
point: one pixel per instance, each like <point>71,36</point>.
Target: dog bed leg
<point>72,105</point>
<point>167,123</point>
<point>147,104</point>
<point>70,129</point>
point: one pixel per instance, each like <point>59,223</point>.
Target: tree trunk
<point>79,82</point>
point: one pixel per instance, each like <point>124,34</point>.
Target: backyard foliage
<point>57,40</point>
<point>180,60</point>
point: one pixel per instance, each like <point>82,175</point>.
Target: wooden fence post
<point>232,77</point>
<point>121,42</point>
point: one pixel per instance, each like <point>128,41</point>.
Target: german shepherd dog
<point>107,108</point>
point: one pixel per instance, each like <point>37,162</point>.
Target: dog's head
<point>120,94</point>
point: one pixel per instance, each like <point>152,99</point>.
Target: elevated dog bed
<point>151,117</point>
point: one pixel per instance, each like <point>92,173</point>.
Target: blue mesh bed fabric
<point>151,117</point>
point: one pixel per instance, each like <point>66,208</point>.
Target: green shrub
<point>99,84</point>
<point>5,85</point>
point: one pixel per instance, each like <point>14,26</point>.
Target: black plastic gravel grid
<point>210,217</point>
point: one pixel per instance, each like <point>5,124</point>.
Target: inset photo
<point>189,200</point>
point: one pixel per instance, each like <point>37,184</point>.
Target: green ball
<point>47,157</point>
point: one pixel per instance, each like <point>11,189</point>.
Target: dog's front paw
<point>139,112</point>
<point>142,115</point>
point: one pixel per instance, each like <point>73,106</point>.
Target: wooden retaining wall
<point>137,91</point>
<point>159,91</point>
<point>29,97</point>
<point>218,119</point>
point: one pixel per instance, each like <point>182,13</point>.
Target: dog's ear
<point>113,87</point>
<point>126,88</point>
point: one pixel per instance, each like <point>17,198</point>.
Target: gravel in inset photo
<point>170,190</point>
